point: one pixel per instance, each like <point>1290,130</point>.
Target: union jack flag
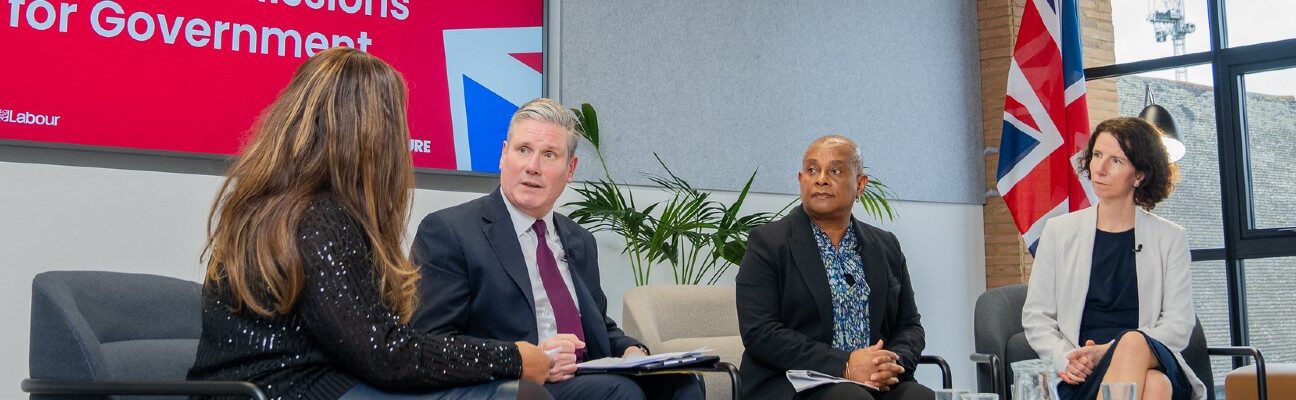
<point>1046,120</point>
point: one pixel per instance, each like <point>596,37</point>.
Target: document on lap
<point>804,379</point>
<point>655,361</point>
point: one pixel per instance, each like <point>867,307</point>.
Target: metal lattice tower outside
<point>1167,18</point>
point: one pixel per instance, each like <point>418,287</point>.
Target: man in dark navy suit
<point>506,267</point>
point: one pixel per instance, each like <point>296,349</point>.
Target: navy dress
<point>1111,309</point>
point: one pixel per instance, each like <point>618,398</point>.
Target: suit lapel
<point>596,343</point>
<point>498,227</point>
<point>877,275</point>
<point>805,254</point>
<point>1145,264</point>
<point>573,252</point>
<point>1073,285</point>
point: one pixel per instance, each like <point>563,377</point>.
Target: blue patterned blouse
<point>849,295</point>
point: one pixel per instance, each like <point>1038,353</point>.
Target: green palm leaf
<point>700,238</point>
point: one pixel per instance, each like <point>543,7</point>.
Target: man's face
<point>535,167</point>
<point>829,185</point>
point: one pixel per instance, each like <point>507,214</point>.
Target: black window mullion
<point>1138,67</point>
<point>1265,248</point>
<point>1231,163</point>
<point>1207,254</point>
<point>1269,53</point>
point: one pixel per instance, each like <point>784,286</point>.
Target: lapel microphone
<point>1138,248</point>
<point>850,279</point>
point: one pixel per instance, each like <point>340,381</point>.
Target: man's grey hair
<point>551,111</point>
<point>856,161</point>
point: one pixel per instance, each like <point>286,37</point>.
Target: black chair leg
<point>733,377</point>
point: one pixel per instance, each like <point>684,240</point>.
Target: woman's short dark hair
<point>1141,143</point>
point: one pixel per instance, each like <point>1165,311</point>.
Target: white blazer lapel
<point>1146,267</point>
<point>1075,288</point>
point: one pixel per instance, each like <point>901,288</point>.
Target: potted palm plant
<point>698,236</point>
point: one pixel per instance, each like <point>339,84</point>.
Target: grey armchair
<point>95,334</point>
<point>1001,340</point>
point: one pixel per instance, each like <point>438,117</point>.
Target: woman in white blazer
<point>1109,297</point>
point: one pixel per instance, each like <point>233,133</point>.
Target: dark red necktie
<point>564,307</point>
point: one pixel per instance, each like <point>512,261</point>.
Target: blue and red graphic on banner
<point>1046,120</point>
<point>192,76</point>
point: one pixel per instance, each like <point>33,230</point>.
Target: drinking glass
<point>949,394</point>
<point>1119,391</point>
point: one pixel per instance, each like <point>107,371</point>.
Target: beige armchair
<point>670,318</point>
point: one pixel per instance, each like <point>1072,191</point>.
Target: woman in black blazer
<point>819,290</point>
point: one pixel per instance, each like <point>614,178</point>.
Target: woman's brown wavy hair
<point>1141,143</point>
<point>340,128</point>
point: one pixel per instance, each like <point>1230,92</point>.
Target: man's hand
<point>563,349</point>
<point>873,366</point>
<point>535,363</point>
<point>633,351</point>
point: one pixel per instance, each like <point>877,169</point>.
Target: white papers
<point>631,362</point>
<point>804,379</point>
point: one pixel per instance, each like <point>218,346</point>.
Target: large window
<point>1270,283</point>
<point>1259,21</point>
<point>1226,71</point>
<point>1210,301</point>
<point>1270,121</point>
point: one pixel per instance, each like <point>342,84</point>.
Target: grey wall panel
<point>721,88</point>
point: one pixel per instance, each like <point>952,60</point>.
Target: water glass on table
<point>1119,391</point>
<point>949,394</point>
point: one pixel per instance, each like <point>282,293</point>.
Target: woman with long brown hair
<point>308,291</point>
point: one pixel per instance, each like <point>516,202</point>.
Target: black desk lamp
<point>1160,117</point>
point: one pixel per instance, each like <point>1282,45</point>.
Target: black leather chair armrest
<point>947,380</point>
<point>733,377</point>
<point>1262,382</point>
<point>719,366</point>
<point>996,371</point>
<point>143,388</point>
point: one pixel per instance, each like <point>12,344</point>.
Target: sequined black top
<point>337,333</point>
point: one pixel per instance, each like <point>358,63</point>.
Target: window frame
<point>1229,64</point>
